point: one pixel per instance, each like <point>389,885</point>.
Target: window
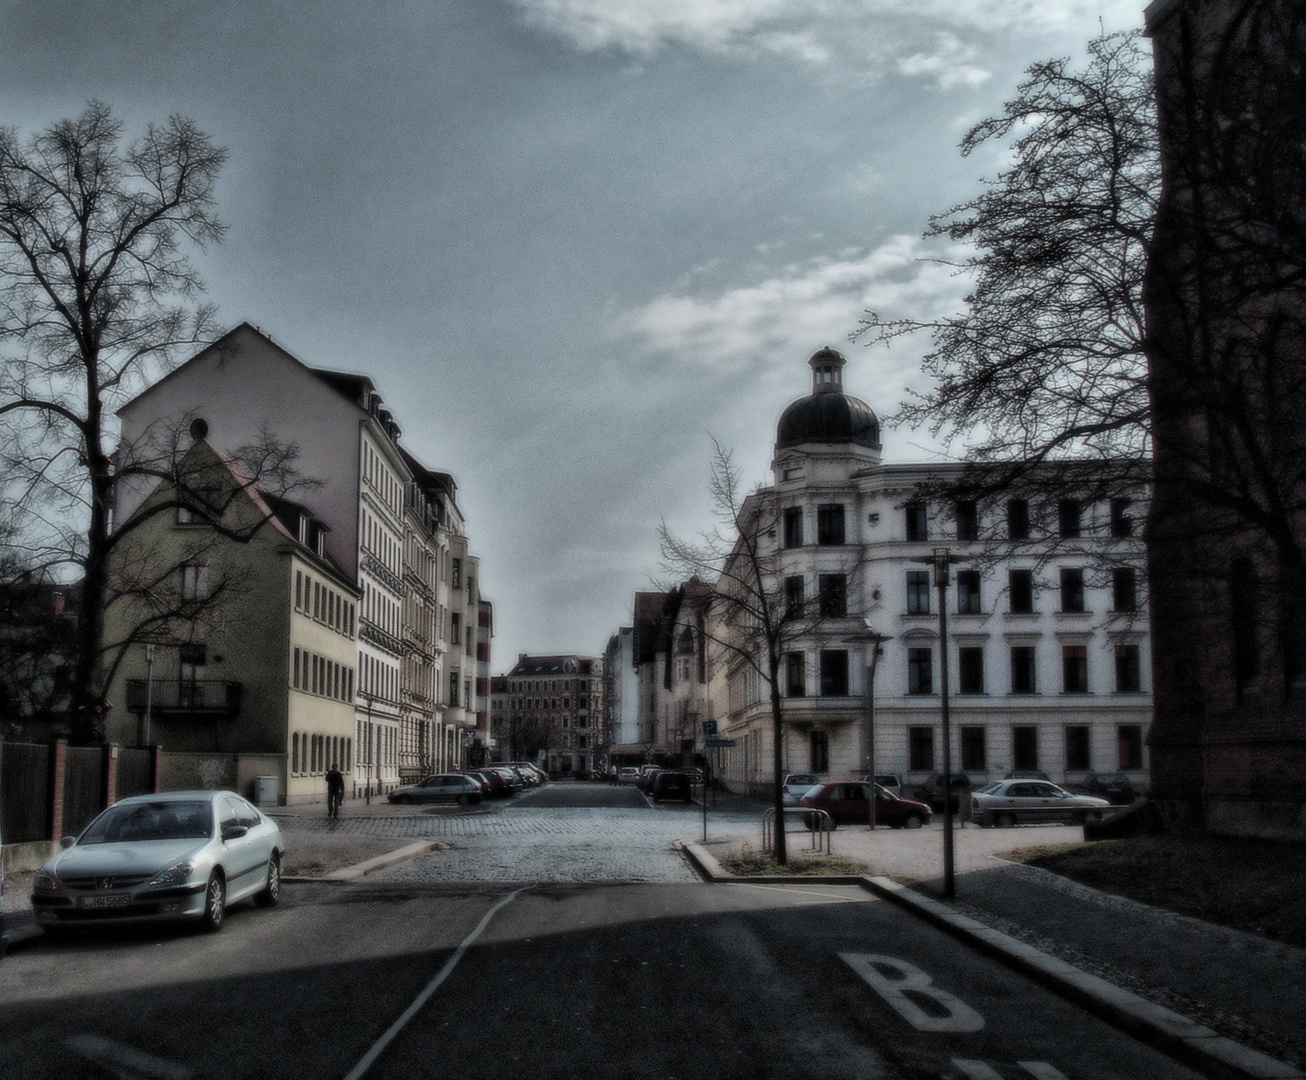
<point>1244,623</point>
<point>820,745</point>
<point>968,592</point>
<point>1129,669</point>
<point>456,628</point>
<point>1072,590</point>
<point>1022,669</point>
<point>199,507</point>
<point>1068,514</point>
<point>1017,519</point>
<point>1024,747</point>
<point>966,512</point>
<point>829,523</point>
<point>973,750</point>
<point>1130,738</point>
<point>796,674</point>
<point>794,599</point>
<point>457,580</point>
<point>920,749</point>
<point>834,596</point>
<point>793,526</point>
<point>1074,669</point>
<point>1121,523</point>
<point>1020,591</point>
<point>970,669</point>
<point>917,522</point>
<point>453,688</point>
<point>834,673</point>
<point>920,671</point>
<point>1124,589</point>
<point>194,581</point>
<point>1077,747</point>
<point>918,592</point>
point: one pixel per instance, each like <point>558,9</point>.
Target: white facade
<point>1047,650</point>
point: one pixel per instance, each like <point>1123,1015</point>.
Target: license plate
<point>105,901</point>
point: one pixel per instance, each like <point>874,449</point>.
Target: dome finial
<point>827,370</point>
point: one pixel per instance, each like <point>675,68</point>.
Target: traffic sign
<point>710,728</point>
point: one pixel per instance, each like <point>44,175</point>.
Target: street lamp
<point>875,640</point>
<point>940,561</point>
<point>367,786</point>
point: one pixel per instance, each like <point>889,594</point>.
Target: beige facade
<point>257,665</point>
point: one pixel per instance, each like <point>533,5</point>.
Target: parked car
<point>795,786</point>
<point>4,941</point>
<point>534,773</point>
<point>442,787</point>
<point>510,777</point>
<point>1116,788</point>
<point>672,784</point>
<point>1015,802</point>
<point>931,791</point>
<point>848,803</point>
<point>174,856</point>
<point>628,775</point>
<point>891,782</point>
<point>646,778</point>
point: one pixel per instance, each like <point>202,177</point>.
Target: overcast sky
<point>570,240</point>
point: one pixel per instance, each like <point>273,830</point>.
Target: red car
<point>847,803</point>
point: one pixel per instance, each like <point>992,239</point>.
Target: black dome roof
<point>828,415</point>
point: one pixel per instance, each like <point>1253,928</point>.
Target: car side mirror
<point>68,841</point>
<point>234,832</point>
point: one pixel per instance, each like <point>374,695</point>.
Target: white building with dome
<point>1047,635</point>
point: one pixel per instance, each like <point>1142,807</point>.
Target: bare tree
<point>740,559</point>
<point>97,296</point>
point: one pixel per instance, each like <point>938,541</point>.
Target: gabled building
<point>555,704</point>
<point>241,631</point>
<point>393,529</point>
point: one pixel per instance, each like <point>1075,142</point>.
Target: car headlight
<point>177,874</point>
<point>44,882</point>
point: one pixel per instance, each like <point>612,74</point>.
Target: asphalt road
<point>399,979</point>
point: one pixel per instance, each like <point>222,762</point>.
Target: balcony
<point>214,699</point>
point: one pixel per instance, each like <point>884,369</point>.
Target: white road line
<point>370,1057</point>
<point>976,1070</point>
<point>126,1061</point>
<point>1041,1070</point>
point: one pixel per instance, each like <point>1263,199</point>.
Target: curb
<point>1173,1034</point>
<point>371,866</point>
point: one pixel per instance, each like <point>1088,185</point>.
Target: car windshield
<point>990,789</point>
<point>128,822</point>
<point>800,780</point>
<point>812,792</point>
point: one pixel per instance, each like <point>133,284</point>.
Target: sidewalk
<point>1229,1002</point>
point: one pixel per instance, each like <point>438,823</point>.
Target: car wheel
<point>405,800</point>
<point>1005,821</point>
<point>914,821</point>
<point>215,903</point>
<point>272,890</point>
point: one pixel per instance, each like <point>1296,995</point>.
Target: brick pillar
<point>58,775</point>
<point>110,774</point>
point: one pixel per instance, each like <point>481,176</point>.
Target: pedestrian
<point>335,790</point>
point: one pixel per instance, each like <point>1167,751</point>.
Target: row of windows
<point>377,679</point>
<point>1025,750</point>
<point>541,704</point>
<point>323,604</point>
<point>1070,515</point>
<point>376,471</point>
<point>1021,591</point>
<point>317,675</point>
<point>518,686</point>
<point>832,671</point>
<point>311,754</point>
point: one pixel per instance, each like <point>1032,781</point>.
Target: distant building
<point>621,698</point>
<point>553,713</point>
<point>1047,651</point>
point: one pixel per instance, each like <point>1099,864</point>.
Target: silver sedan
<point>443,787</point>
<point>1014,802</point>
<point>177,855</point>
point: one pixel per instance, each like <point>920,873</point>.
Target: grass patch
<point>1248,884</point>
<point>756,864</point>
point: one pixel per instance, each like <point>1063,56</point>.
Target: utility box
<point>265,790</point>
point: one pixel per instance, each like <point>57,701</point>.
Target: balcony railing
<point>216,698</point>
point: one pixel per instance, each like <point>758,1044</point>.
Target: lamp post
<point>367,786</point>
<point>940,561</point>
<point>875,640</point>
<point>149,691</point>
